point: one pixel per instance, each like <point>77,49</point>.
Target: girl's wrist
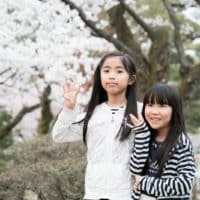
<point>141,126</point>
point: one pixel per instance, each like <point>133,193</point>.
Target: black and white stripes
<point>140,150</point>
<point>178,174</point>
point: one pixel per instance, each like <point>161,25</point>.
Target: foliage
<point>44,170</point>
<point>50,171</point>
<point>45,42</point>
<point>192,116</point>
<point>5,117</point>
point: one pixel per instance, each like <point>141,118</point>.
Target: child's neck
<point>161,135</point>
<point>116,103</point>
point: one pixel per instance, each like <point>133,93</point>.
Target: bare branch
<point>101,33</point>
<point>7,128</point>
<point>138,19</point>
<point>192,35</point>
<point>5,70</point>
<point>178,5</point>
<point>9,73</point>
<point>177,37</point>
<point>2,82</point>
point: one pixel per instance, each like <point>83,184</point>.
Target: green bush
<point>49,171</point>
<point>7,141</point>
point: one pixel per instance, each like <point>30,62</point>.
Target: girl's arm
<point>64,129</point>
<point>177,185</point>
<point>141,145</point>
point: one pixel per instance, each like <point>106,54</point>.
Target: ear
<point>132,79</point>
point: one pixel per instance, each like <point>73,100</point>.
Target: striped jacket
<point>178,174</point>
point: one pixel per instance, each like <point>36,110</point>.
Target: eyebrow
<point>118,67</point>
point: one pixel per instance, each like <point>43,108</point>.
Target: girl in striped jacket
<point>168,157</point>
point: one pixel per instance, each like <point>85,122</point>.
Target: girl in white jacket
<point>103,127</point>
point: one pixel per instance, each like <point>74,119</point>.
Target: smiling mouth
<point>154,119</point>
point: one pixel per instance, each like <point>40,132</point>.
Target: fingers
<point>140,117</point>
<point>71,87</point>
<point>129,125</point>
<point>66,87</point>
<point>137,180</point>
<point>136,121</point>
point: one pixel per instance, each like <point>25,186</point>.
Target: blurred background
<point>43,43</point>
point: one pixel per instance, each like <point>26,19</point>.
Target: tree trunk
<point>159,56</point>
<point>148,71</point>
<point>46,114</point>
<point>190,83</point>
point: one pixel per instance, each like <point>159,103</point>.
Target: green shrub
<point>7,141</point>
<point>49,171</point>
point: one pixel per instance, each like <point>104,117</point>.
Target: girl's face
<point>158,117</point>
<point>114,77</point>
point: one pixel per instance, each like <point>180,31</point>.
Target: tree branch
<point>5,70</point>
<point>138,19</point>
<point>101,33</point>
<point>124,34</point>
<point>6,78</point>
<point>7,128</point>
<point>192,35</point>
<point>177,38</point>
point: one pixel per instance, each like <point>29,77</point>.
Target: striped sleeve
<point>140,149</point>
<point>175,185</point>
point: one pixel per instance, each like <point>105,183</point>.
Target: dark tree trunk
<point>46,115</point>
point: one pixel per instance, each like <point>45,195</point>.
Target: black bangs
<point>159,94</point>
<point>156,98</point>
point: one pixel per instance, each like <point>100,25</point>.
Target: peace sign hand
<point>70,94</point>
<point>135,121</point>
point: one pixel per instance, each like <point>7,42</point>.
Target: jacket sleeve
<point>174,185</point>
<point>64,129</point>
<point>140,152</point>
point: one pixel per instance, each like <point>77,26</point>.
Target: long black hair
<point>165,94</point>
<point>99,95</point>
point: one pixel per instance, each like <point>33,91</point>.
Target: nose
<point>154,110</point>
<point>111,75</point>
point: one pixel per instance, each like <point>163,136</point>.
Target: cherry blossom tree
<point>153,63</point>
<point>42,43</point>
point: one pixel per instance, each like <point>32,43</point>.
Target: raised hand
<point>70,94</point>
<point>135,121</point>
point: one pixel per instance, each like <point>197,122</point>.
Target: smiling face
<point>114,77</point>
<point>159,117</point>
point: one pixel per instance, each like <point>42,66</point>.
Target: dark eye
<point>105,70</point>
